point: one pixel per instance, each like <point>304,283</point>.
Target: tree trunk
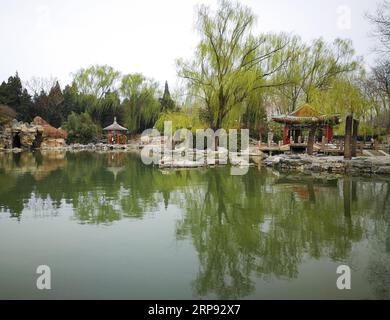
<point>347,138</point>
<point>355,137</point>
<point>216,143</point>
<point>310,141</point>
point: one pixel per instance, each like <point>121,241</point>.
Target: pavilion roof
<point>305,111</point>
<point>305,115</point>
<point>115,127</point>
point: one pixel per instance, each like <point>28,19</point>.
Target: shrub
<point>80,128</point>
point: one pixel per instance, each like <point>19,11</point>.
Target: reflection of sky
<point>54,38</point>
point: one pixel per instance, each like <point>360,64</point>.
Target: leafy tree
<point>230,62</point>
<point>80,128</point>
<point>97,80</point>
<point>255,116</point>
<point>103,111</point>
<point>312,69</point>
<point>140,106</point>
<point>98,93</point>
<point>180,120</point>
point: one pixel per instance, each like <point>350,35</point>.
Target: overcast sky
<point>53,38</point>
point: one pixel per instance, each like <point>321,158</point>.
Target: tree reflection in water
<point>264,223</point>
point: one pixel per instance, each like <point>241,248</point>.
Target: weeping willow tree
<point>97,80</point>
<point>343,97</point>
<point>103,110</point>
<point>97,88</point>
<point>348,96</point>
<point>312,69</point>
<point>180,120</point>
<point>230,64</point>
<point>141,106</point>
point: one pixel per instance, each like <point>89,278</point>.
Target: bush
<point>179,120</point>
<point>80,128</point>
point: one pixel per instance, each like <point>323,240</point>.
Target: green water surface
<point>110,227</point>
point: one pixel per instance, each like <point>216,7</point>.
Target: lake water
<point>110,227</point>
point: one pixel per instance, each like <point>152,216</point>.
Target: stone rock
<point>31,135</point>
<point>53,143</point>
<point>337,165</point>
<point>48,130</point>
<point>383,170</point>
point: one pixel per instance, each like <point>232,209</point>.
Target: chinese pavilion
<point>113,132</point>
<point>306,118</point>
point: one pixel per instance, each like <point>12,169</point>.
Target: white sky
<point>53,38</point>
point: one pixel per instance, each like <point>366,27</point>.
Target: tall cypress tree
<point>167,104</point>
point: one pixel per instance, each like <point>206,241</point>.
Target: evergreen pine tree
<point>167,104</point>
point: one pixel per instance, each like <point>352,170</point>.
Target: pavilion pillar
<point>285,135</point>
<point>117,137</point>
<point>329,133</point>
<point>108,137</point>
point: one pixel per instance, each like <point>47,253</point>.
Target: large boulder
<point>53,143</point>
<point>48,130</point>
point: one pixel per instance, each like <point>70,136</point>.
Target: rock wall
<point>19,135</point>
<point>31,135</point>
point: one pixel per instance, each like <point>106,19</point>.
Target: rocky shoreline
<point>77,147</point>
<point>359,165</point>
<point>283,162</point>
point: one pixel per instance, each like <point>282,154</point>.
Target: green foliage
<point>167,104</point>
<point>311,71</point>
<point>255,116</point>
<point>50,106</point>
<point>13,95</point>
<point>230,63</point>
<point>234,78</point>
<point>80,128</point>
<point>344,97</point>
<point>140,106</point>
<point>97,80</point>
<point>97,88</point>
<point>179,120</point>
